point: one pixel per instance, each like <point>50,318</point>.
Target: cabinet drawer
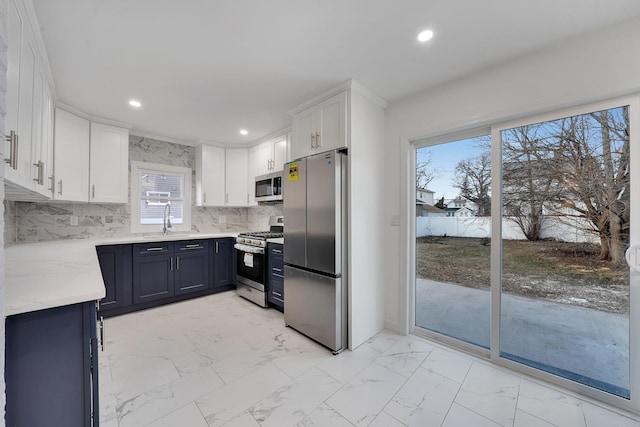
<point>157,248</point>
<point>276,250</point>
<point>192,245</point>
<point>277,296</point>
<point>276,274</point>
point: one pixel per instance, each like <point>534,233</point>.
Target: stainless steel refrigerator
<point>315,252</point>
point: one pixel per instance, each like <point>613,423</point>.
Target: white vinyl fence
<point>566,229</point>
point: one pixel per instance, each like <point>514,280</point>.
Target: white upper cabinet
<point>264,157</point>
<point>237,177</point>
<point>279,153</point>
<point>28,110</point>
<point>71,157</point>
<point>91,160</point>
<point>320,127</point>
<point>210,176</point>
<point>222,176</point>
<point>251,175</point>
<point>271,155</point>
<point>109,164</point>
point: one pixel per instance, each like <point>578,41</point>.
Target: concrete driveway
<point>586,345</point>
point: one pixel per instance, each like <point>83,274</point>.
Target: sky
<point>444,158</point>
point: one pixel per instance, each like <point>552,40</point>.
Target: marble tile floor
<point>223,361</point>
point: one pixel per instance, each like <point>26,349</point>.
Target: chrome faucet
<point>166,219</point>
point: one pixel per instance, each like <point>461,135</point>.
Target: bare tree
<point>424,172</point>
<point>473,178</point>
<point>528,176</point>
<point>594,169</point>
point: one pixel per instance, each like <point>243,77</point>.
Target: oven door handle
<point>248,248</point>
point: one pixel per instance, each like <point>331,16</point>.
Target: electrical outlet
<point>73,220</point>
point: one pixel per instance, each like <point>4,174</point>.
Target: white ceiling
<point>203,69</point>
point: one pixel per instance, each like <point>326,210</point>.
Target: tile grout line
<point>456,396</point>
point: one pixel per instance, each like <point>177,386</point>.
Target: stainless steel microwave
<point>269,187</point>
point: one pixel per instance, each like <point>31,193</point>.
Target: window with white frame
<point>160,193</point>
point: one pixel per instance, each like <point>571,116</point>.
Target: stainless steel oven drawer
<point>252,294</point>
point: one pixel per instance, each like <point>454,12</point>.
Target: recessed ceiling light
<point>135,103</point>
<point>425,36</point>
<point>244,132</point>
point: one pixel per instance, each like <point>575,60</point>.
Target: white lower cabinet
<point>221,176</point>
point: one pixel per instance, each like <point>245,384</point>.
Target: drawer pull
<point>102,331</point>
<point>278,294</point>
<point>276,251</point>
<point>154,249</point>
<point>193,246</point>
<point>276,269</point>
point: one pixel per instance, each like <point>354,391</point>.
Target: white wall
<point>366,254</point>
<point>3,105</point>
<point>600,65</point>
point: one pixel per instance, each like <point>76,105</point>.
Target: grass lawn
<point>549,270</point>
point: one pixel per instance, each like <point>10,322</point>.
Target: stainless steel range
<point>251,261</point>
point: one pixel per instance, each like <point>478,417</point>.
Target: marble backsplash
<point>36,222</point>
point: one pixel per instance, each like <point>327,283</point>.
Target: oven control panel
<point>254,242</point>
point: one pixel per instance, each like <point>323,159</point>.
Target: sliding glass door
<point>453,235</point>
<point>524,238</point>
<point>566,223</point>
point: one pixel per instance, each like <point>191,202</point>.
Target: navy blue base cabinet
<point>223,262</point>
<point>145,275</point>
<point>275,276</point>
<point>116,267</point>
<point>51,367</point>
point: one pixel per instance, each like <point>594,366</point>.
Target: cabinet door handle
<point>9,139</point>
<point>171,264</point>
<point>177,263</point>
<point>53,184</point>
<point>41,172</point>
<point>12,138</point>
<point>226,198</point>
<point>204,198</point>
<point>93,191</point>
<point>102,333</point>
<point>313,138</point>
<point>60,187</point>
<point>39,179</point>
<point>216,247</point>
<point>317,140</point>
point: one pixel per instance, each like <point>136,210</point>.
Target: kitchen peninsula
<point>52,348</point>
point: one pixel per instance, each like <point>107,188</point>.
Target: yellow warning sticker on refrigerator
<point>293,171</point>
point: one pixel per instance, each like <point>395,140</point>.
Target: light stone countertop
<point>62,272</point>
